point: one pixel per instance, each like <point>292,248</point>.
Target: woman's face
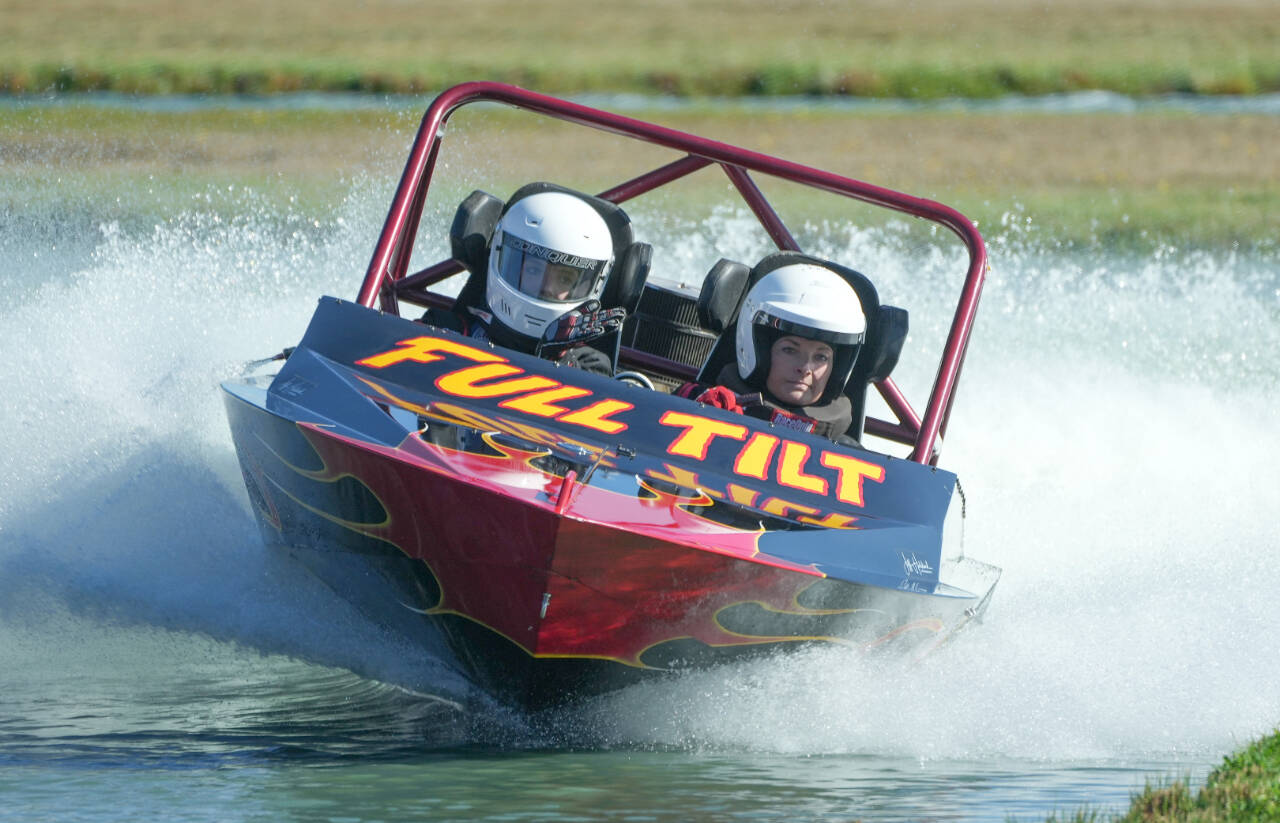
<point>798,370</point>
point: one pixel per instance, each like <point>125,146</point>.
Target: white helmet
<point>805,300</point>
<point>550,252</point>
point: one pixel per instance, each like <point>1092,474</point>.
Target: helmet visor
<point>547,274</point>
<point>786,322</point>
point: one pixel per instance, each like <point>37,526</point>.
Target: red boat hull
<point>533,598</point>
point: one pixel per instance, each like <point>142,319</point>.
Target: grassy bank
<point>875,48</point>
<point>1118,180</point>
<point>1244,789</point>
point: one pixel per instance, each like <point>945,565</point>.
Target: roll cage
<point>388,281</point>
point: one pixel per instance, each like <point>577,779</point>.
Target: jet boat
<point>552,533</point>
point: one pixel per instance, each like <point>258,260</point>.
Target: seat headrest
<point>726,286</point>
<point>472,228</point>
<point>889,333</point>
<point>722,291</point>
<point>479,214</point>
<point>626,281</point>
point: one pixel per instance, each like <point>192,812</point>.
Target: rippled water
<point>1114,431</point>
<point>1066,103</point>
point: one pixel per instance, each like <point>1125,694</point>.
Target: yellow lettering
<point>428,350</point>
<point>851,472</point>
<point>791,469</point>
<point>698,433</point>
<point>595,416</point>
<point>781,508</point>
<point>742,495</point>
<point>462,383</point>
<point>540,402</point>
<point>753,460</point>
<point>834,520</point>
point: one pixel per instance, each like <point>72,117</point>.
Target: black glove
<point>586,322</point>
<point>587,359</point>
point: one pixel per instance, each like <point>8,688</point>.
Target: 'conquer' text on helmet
<point>550,252</point>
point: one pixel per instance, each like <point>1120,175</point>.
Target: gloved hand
<point>722,397</point>
<point>587,359</point>
<point>583,323</point>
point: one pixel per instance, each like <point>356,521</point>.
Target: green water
<point>1114,430</point>
<point>112,722</point>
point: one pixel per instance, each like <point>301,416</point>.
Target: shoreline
<point>1243,788</point>
<point>924,50</point>
<point>227,82</point>
<point>910,79</point>
<point>1094,101</point>
<point>1120,180</point>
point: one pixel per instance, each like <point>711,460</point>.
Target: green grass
<point>1244,789</point>
<point>1135,181</point>
<point>872,48</point>
<point>1115,180</point>
<point>915,79</point>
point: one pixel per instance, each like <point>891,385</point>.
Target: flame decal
<point>626,577</point>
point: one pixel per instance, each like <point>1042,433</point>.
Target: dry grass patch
<point>927,48</point>
<point>1197,180</point>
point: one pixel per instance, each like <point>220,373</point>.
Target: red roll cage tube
<point>387,278</point>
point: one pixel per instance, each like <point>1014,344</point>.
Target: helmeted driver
<point>799,332</point>
<point>550,252</point>
<point>549,259</point>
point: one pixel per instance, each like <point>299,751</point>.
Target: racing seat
<point>477,217</point>
<point>726,286</point>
